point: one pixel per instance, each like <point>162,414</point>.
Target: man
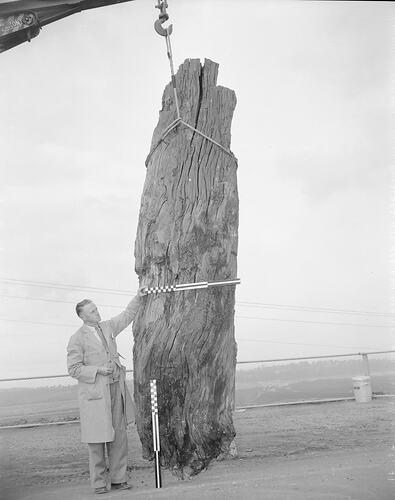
<point>104,400</point>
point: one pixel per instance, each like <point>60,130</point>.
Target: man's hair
<point>80,306</point>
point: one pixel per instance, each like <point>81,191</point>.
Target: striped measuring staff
<point>190,286</point>
<point>155,432</point>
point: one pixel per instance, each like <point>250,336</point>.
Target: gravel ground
<point>53,456</point>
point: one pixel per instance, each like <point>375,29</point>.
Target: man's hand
<point>104,370</point>
<point>142,291</point>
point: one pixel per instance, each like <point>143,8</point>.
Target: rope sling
<point>166,32</point>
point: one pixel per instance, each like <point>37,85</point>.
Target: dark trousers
<point>117,450</point>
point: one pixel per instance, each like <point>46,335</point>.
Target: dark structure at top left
<point>22,20</point>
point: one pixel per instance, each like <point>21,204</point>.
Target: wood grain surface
<point>188,232</point>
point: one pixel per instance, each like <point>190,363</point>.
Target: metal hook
<point>163,17</point>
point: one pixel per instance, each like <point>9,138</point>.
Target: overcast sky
<point>311,133</point>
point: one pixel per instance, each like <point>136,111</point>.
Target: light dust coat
<point>85,354</point>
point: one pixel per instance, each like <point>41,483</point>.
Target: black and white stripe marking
<point>155,432</point>
<point>189,286</point>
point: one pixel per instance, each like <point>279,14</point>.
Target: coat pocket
<point>91,391</point>
<point>94,393</point>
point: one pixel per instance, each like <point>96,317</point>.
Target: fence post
<point>365,364</point>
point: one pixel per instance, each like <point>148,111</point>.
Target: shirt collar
<point>87,328</point>
<point>90,328</point>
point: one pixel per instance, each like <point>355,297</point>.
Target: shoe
<point>120,486</point>
<point>100,491</point>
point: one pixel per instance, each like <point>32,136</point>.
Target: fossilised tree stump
<point>187,232</point>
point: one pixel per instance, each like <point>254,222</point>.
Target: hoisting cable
<point>166,32</point>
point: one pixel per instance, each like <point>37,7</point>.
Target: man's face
<point>90,314</point>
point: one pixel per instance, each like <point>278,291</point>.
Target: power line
<point>313,309</point>
<point>299,343</point>
<point>54,300</point>
<point>39,322</point>
<point>243,317</point>
<point>63,286</point>
<point>333,323</point>
<point>237,340</point>
<point>242,303</point>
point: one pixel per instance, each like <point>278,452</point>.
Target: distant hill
<point>310,380</point>
<point>306,370</point>
<point>28,395</point>
<point>263,385</point>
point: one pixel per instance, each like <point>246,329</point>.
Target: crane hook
<point>163,17</point>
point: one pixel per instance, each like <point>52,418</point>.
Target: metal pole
<point>365,363</point>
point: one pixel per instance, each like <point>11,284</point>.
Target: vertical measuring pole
<point>155,432</point>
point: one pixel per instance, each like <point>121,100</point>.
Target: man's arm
<point>77,369</point>
<point>121,321</point>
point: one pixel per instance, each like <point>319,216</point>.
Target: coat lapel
<point>90,337</point>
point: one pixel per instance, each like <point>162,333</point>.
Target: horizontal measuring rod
<point>190,286</point>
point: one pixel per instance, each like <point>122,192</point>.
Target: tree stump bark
<point>188,232</point>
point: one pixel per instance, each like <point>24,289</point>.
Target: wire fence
<point>364,368</point>
<point>363,355</point>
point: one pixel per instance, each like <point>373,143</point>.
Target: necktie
<point>102,337</point>
<point>114,376</point>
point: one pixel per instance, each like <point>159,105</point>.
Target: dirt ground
<point>334,451</point>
